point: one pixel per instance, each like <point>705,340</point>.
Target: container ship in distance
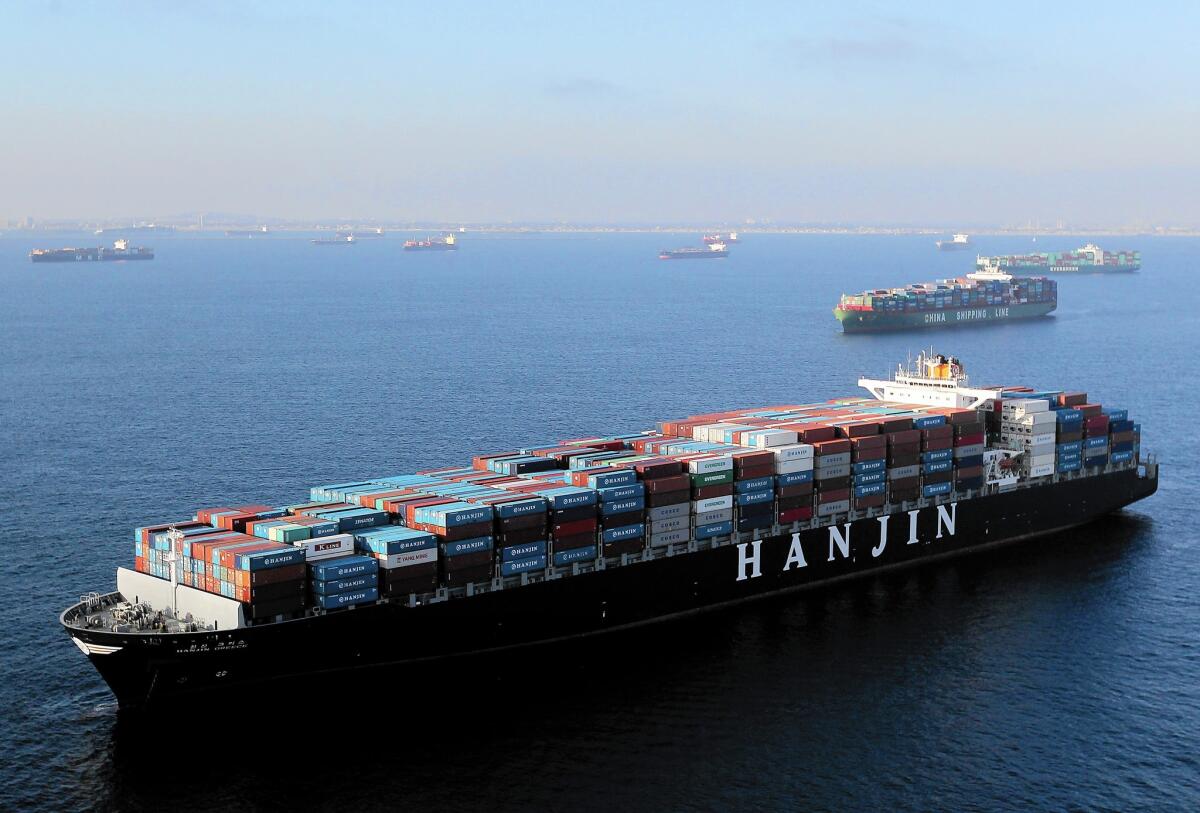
<point>447,243</point>
<point>960,242</point>
<point>712,251</point>
<point>1091,259</point>
<point>598,534</point>
<point>121,250</point>
<point>731,237</point>
<point>336,240</point>
<point>987,295</point>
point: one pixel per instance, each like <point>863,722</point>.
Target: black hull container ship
<point>121,250</point>
<point>594,535</point>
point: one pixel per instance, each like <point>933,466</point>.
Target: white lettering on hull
<point>751,561</point>
<point>750,553</point>
<point>795,555</point>
<point>839,540</point>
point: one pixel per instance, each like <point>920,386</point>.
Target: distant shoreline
<point>169,228</point>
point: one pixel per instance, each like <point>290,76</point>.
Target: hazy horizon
<point>683,112</point>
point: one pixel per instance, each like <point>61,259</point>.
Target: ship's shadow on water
<point>595,723</point>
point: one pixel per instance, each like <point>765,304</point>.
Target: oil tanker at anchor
<point>600,534</point>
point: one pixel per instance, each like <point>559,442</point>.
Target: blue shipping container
<point>537,548</point>
<point>346,585</point>
<point>566,557</point>
<point>333,602</point>
<point>523,565</point>
<point>465,546</point>
<point>342,567</point>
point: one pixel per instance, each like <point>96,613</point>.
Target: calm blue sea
<point>1063,674</point>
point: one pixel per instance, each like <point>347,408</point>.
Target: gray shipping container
<point>825,461</point>
<point>709,517</point>
<point>969,451</point>
<point>904,472</point>
<point>660,526</point>
<point>839,507</point>
<point>679,509</point>
<point>834,471</point>
<point>669,538</point>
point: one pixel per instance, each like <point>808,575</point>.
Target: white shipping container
<point>795,451</point>
<point>412,557</point>
<point>1024,406</point>
<point>712,504</point>
<point>775,438</point>
<point>793,466</point>
<point>711,464</point>
<point>326,547</point>
<point>1039,460</point>
<point>1038,419</point>
<point>1042,471</point>
<point>709,517</point>
<point>701,432</point>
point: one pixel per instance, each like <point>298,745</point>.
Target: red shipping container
<point>829,447</point>
<point>869,454</point>
<point>755,472</point>
<point>938,432</point>
<point>896,424</point>
<point>1089,410</point>
<point>872,501</point>
<point>678,482</point>
<point>657,468</point>
<point>937,444</point>
<point>869,442</point>
<point>708,492</point>
<point>969,440</point>
<point>579,526</point>
<point>835,495</point>
<point>904,437</point>
<point>795,515</point>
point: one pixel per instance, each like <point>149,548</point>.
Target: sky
<point>793,112</point>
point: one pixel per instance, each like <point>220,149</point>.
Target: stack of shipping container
<point>566,504</point>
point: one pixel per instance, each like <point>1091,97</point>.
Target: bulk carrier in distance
<point>1091,259</point>
<point>121,250</point>
<point>447,243</point>
<point>987,295</point>
<point>599,534</point>
<point>960,242</point>
<point>713,251</point>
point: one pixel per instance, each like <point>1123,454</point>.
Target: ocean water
<point>1062,674</point>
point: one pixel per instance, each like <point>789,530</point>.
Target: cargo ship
<point>731,237</point>
<point>598,534</point>
<point>986,295</point>
<point>712,252</point>
<point>247,233</point>
<point>1091,259</point>
<point>959,242</point>
<point>337,240</point>
<point>447,243</point>
<point>121,250</point>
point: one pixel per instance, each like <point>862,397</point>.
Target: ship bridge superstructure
<point>931,379</point>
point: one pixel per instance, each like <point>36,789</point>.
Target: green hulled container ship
<point>988,295</point>
<point>1091,259</point>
